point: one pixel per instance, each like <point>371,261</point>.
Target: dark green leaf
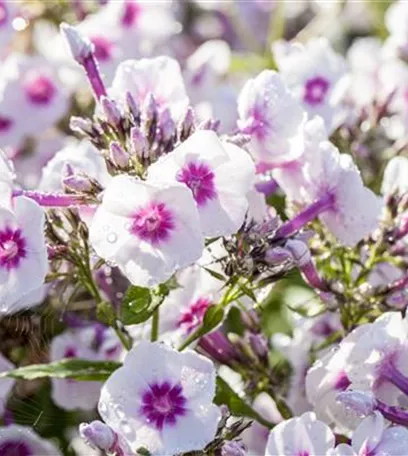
<point>136,305</point>
<point>78,369</point>
<point>212,318</point>
<point>215,274</point>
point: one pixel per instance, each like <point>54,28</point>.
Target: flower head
<point>148,229</point>
<point>161,400</point>
<point>22,441</point>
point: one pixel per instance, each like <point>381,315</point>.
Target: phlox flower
<point>161,400</point>
<point>312,72</point>
<point>92,343</point>
<point>373,437</point>
<point>183,310</point>
<point>30,89</point>
<point>271,115</point>
<point>303,435</point>
<point>160,76</point>
<point>23,253</point>
<point>219,175</point>
<point>148,229</point>
<point>22,441</point>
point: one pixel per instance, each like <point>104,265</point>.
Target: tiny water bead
<point>163,404</point>
<point>316,90</point>
<point>200,180</point>
<point>153,223</point>
<point>39,88</point>
<point>193,316</point>
<point>12,248</point>
<point>15,448</point>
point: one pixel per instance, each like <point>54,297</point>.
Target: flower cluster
<point>203,228</point>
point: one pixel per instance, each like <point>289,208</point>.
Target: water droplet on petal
<point>112,238</point>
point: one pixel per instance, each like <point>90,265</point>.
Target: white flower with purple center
<point>300,436</point>
<point>162,400</point>
<point>271,115</point>
<point>32,89</point>
<point>219,176</point>
<point>92,343</point>
<point>183,310</point>
<point>149,229</point>
<point>22,441</point>
<point>313,73</point>
<point>374,438</point>
<point>160,76</point>
<point>23,253</point>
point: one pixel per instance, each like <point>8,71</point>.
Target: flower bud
<point>149,107</point>
<point>299,250</point>
<point>138,143</point>
<point>111,111</point>
<point>132,105</point>
<point>80,46</point>
<point>259,345</point>
<point>277,255</point>
<point>118,155</point>
<point>80,125</point>
<point>363,403</point>
<point>233,448</point>
<point>77,183</point>
<point>186,126</point>
<point>98,435</point>
<point>166,125</point>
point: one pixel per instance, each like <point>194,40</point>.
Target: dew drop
<point>112,238</point>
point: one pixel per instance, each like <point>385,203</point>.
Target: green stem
<point>126,342</point>
<point>155,325</point>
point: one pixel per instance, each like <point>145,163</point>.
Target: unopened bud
<point>80,125</point>
<point>259,345</point>
<point>166,125</point>
<point>111,111</point>
<point>233,448</point>
<point>361,402</point>
<point>98,435</point>
<point>80,46</point>
<point>132,106</point>
<point>118,155</point>
<point>149,107</point>
<point>299,250</point>
<point>77,183</point>
<point>277,255</point>
<point>187,124</point>
<point>138,143</point>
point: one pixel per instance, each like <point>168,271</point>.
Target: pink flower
<point>148,229</point>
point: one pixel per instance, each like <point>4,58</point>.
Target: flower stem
<point>51,199</point>
<point>155,325</point>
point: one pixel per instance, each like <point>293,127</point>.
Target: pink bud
<point>77,183</point>
<point>80,46</point>
<point>363,403</point>
<point>98,435</point>
<point>299,250</point>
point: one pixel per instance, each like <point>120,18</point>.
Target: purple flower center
<point>15,448</point>
<point>131,13</point>
<point>153,223</point>
<point>3,13</point>
<point>200,180</point>
<point>341,382</point>
<point>162,404</point>
<point>70,352</point>
<point>255,124</point>
<point>315,90</point>
<point>5,124</point>
<point>193,316</point>
<point>39,89</point>
<point>103,48</point>
<point>12,248</point>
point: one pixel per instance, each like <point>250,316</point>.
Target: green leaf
<point>212,318</point>
<point>78,369</point>
<point>237,406</point>
<point>215,274</point>
<point>135,306</point>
